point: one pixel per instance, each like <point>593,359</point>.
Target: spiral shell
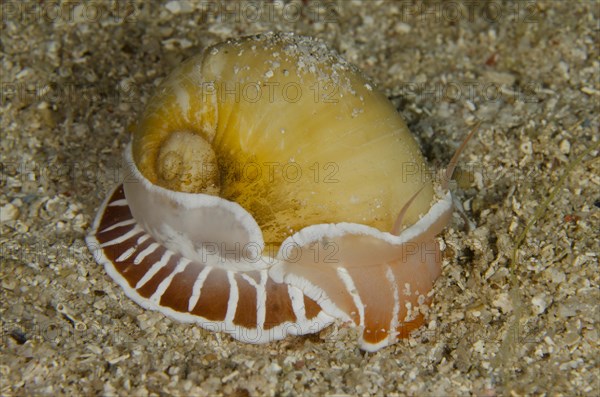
<point>266,179</point>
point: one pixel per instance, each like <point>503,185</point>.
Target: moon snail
<point>271,191</point>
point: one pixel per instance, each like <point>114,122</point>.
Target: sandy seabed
<point>74,78</point>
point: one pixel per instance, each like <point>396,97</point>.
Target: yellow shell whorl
<point>298,135</point>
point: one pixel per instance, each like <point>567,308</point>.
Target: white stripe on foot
<point>142,255</point>
<point>162,287</point>
<point>197,287</point>
<point>119,224</point>
<point>124,237</point>
<point>155,269</point>
<point>351,288</point>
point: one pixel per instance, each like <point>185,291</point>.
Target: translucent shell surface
<point>266,177</point>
